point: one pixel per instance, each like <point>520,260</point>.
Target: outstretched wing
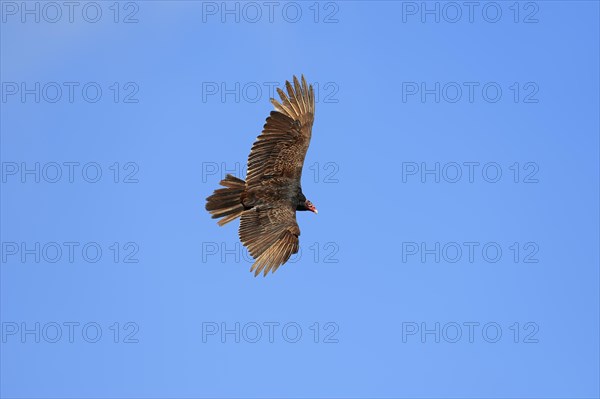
<point>280,149</point>
<point>270,233</point>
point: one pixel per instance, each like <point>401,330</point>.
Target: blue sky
<point>454,163</point>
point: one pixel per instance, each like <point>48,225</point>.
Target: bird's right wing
<point>280,149</point>
<point>270,234</point>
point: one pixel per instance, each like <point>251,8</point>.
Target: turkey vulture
<point>269,198</point>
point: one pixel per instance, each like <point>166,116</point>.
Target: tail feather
<point>226,202</point>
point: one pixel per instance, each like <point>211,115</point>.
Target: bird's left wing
<point>270,232</point>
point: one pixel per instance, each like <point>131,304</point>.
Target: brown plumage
<point>269,198</point>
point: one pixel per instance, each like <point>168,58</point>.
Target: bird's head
<point>310,207</point>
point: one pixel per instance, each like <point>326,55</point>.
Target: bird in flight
<point>269,198</point>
